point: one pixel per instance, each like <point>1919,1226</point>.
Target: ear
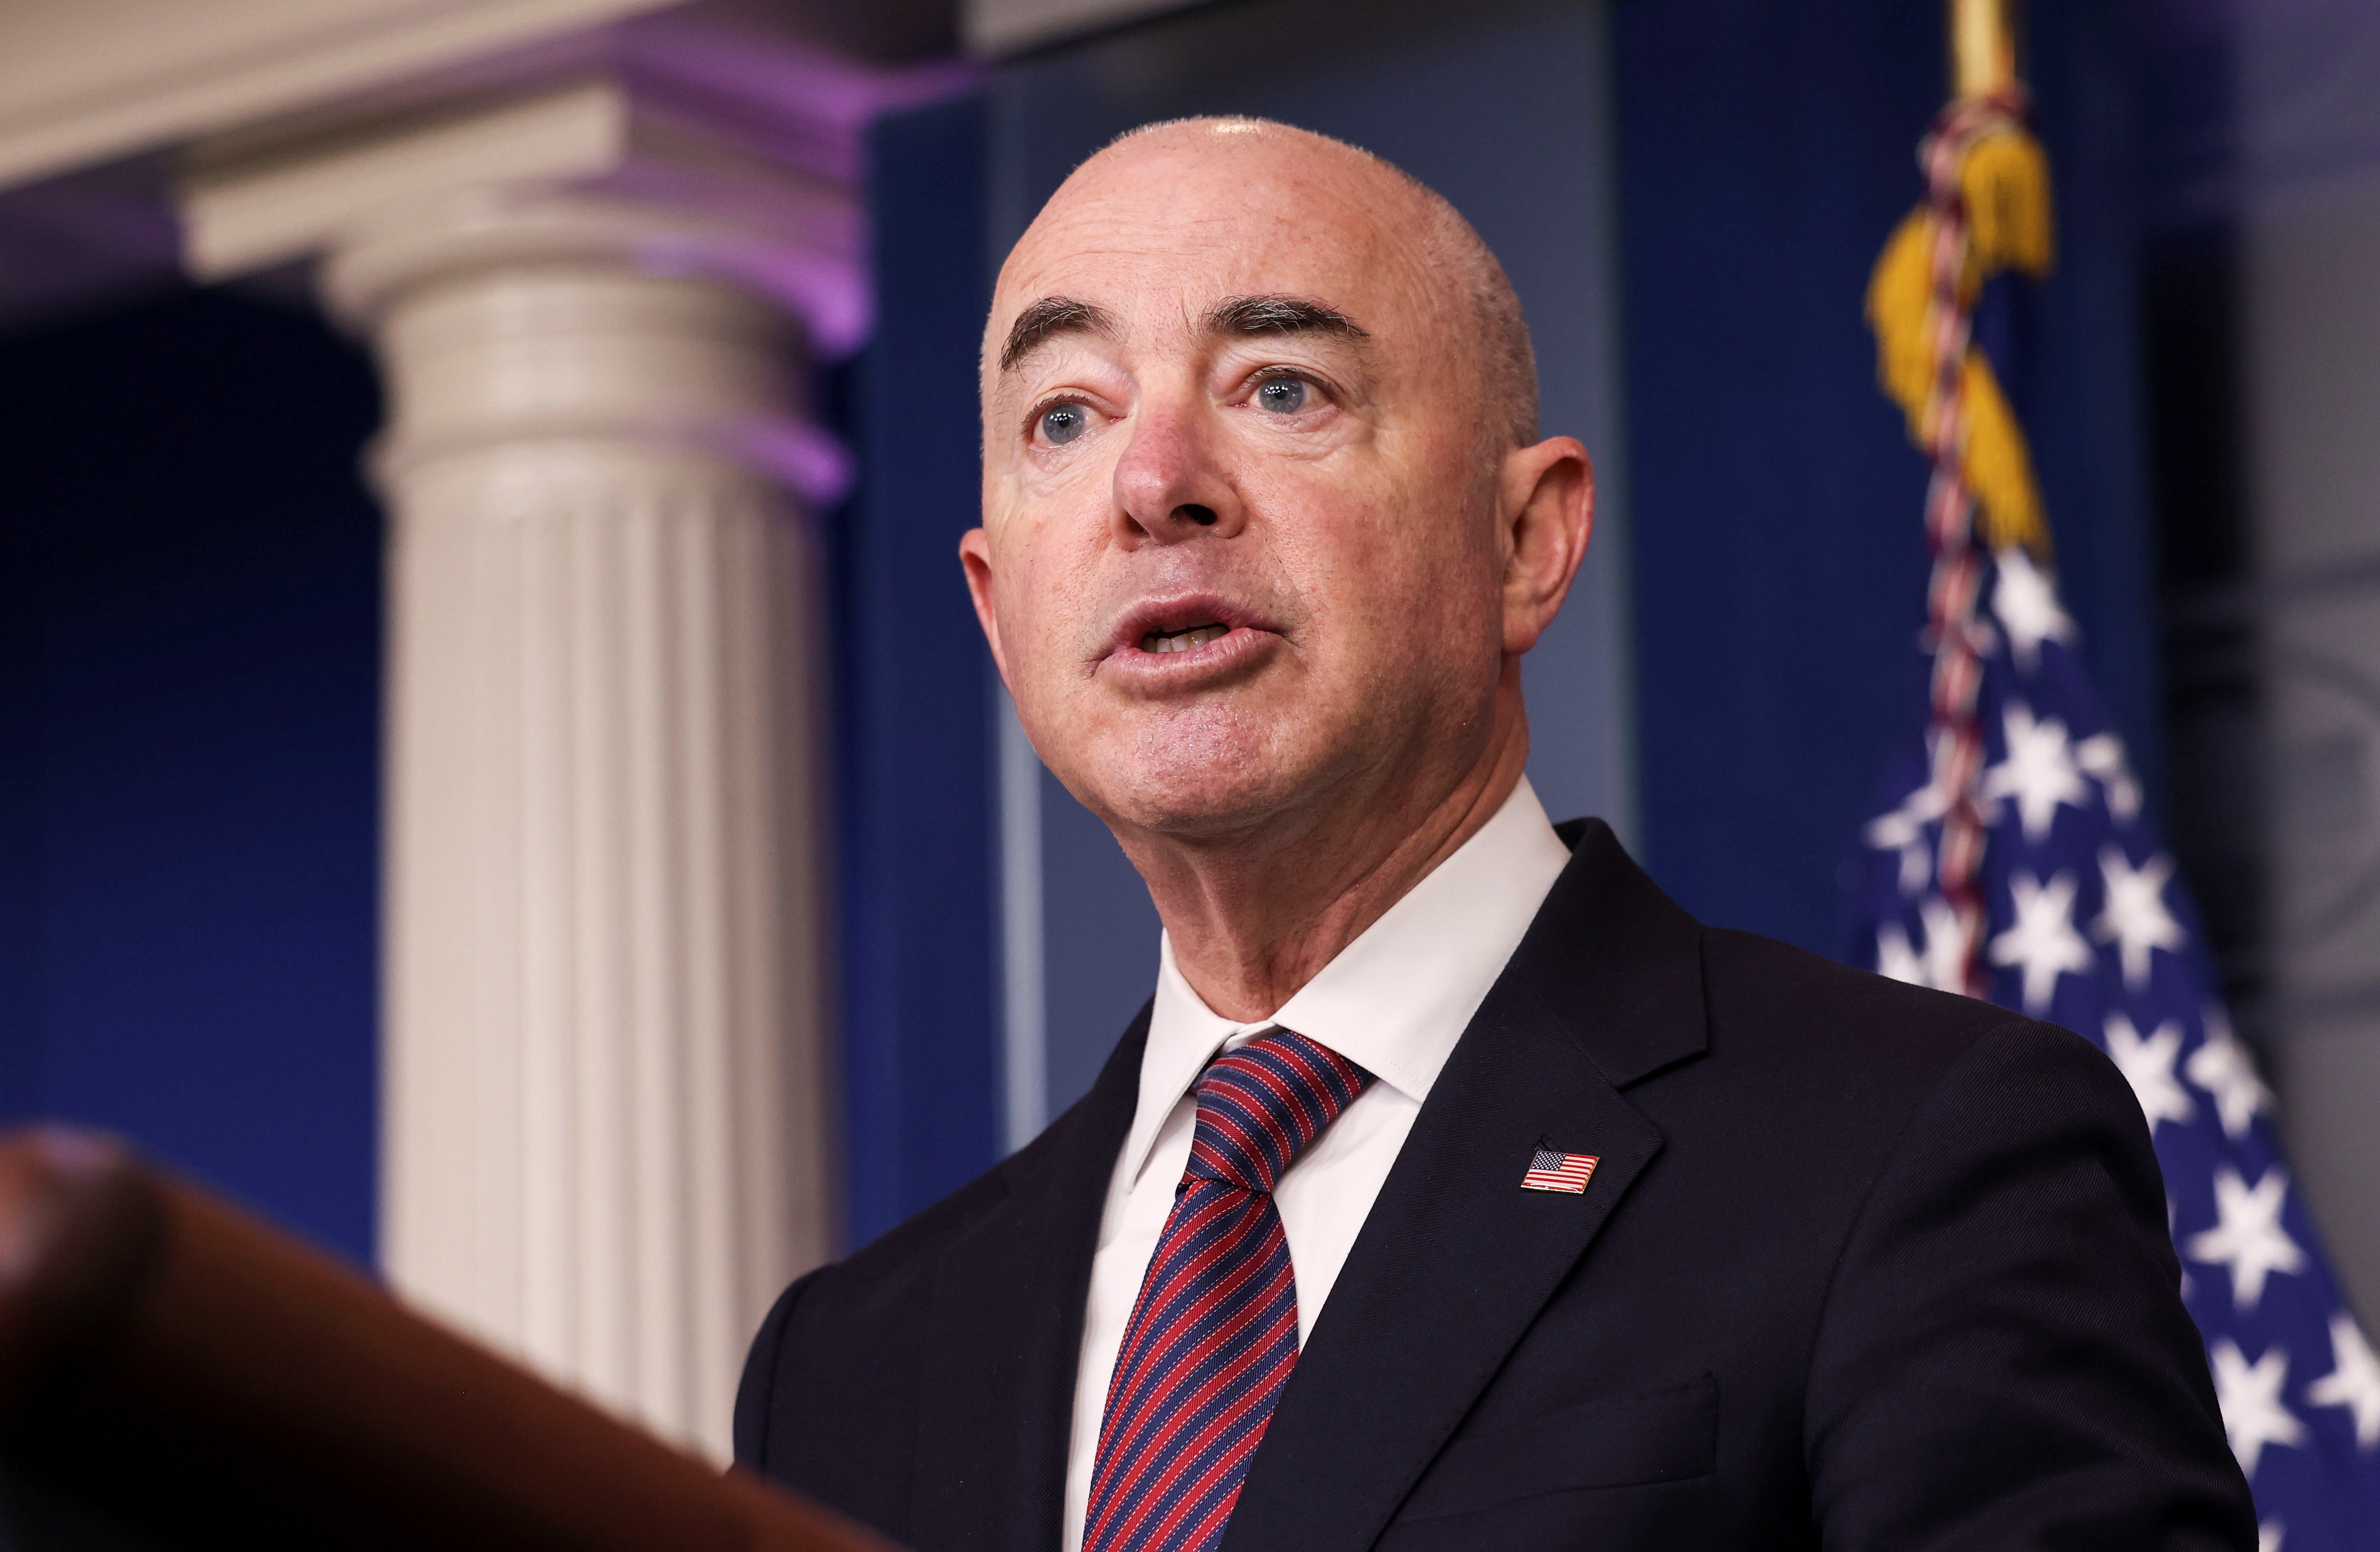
<point>1546,513</point>
<point>974,558</point>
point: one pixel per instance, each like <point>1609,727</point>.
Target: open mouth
<point>1184,638</point>
<point>1188,641</point>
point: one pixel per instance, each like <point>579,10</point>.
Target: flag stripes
<point>1550,1170</point>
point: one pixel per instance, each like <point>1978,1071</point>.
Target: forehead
<point>1159,234</point>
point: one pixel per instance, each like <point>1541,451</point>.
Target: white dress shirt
<point>1394,1002</point>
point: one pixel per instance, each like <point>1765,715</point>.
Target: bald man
<point>1455,1189</point>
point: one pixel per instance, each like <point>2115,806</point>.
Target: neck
<point>1253,920</point>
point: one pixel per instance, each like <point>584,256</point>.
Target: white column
<point>605,1137</point>
<point>604,1115</point>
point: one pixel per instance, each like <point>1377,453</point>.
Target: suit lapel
<point>1456,1259</point>
<point>1006,1329</point>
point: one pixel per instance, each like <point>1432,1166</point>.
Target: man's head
<point>1267,524</point>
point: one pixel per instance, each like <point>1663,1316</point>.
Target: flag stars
<point>2248,1237</point>
<point>2135,918</point>
<point>2353,1381</point>
<point>2250,1395</point>
<point>2039,772</point>
<point>1904,831</point>
<point>2026,601</point>
<point>2043,943</point>
<point>2222,1066</point>
<point>2101,755</point>
<point>2147,1064</point>
<point>1941,962</point>
<point>2015,739</point>
<point>1895,958</point>
<point>1946,954</point>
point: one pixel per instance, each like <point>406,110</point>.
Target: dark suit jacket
<point>1862,1267</point>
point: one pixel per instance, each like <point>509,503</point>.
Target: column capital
<point>596,245</point>
<point>603,168</point>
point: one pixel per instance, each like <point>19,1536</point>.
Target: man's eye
<point>1282,395</point>
<point>1061,423</point>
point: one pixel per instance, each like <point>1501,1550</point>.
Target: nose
<point>1172,483</point>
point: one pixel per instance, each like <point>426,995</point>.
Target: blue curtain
<point>1766,148</point>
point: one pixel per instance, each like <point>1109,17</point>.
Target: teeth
<point>1181,641</point>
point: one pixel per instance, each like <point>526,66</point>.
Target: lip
<point>1246,636</point>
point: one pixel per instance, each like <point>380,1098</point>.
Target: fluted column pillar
<point>605,1139</point>
<point>604,1109</point>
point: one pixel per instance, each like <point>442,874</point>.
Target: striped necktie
<point>1214,1332</point>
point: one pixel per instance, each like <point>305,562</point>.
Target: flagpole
<point>1986,209</point>
<point>1983,39</point>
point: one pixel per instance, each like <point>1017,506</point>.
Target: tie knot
<point>1259,1105</point>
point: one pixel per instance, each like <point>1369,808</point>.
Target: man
<point>1456,1189</point>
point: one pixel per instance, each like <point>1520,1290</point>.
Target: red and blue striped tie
<point>1214,1332</point>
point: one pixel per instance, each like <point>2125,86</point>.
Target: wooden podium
<point>175,1373</point>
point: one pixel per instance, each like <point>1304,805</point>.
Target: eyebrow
<point>1279,315</point>
<point>1052,316</point>
<point>1048,317</point>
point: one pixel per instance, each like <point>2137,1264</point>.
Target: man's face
<point>1240,546</point>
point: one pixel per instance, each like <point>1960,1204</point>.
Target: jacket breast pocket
<point>1666,1434</point>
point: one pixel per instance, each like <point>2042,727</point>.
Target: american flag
<point>2086,924</point>
<point>1550,1170</point>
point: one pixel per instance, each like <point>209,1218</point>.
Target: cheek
<point>1044,598</point>
<point>1396,576</point>
<point>1025,623</point>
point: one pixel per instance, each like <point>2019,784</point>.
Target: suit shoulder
<point>917,1242</point>
<point>907,1255</point>
<point>1855,1072</point>
<point>1761,990</point>
<point>1746,968</point>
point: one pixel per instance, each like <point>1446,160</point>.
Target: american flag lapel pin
<point>1550,1170</point>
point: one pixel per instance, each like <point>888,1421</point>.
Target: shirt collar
<point>1396,999</point>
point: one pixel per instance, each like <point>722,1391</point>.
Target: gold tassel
<point>1898,296</point>
<point>1998,467</point>
<point>2004,180</point>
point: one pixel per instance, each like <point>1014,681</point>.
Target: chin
<point>1201,775</point>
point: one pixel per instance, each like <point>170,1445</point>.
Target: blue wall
<point>190,666</point>
<point>922,1041</point>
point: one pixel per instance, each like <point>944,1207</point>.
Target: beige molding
<point>93,79</point>
<point>242,218</point>
<point>593,170</point>
<point>591,135</point>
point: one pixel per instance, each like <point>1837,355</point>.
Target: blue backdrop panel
<point>922,1041</point>
<point>1767,149</point>
<point>190,663</point>
<point>1501,107</point>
